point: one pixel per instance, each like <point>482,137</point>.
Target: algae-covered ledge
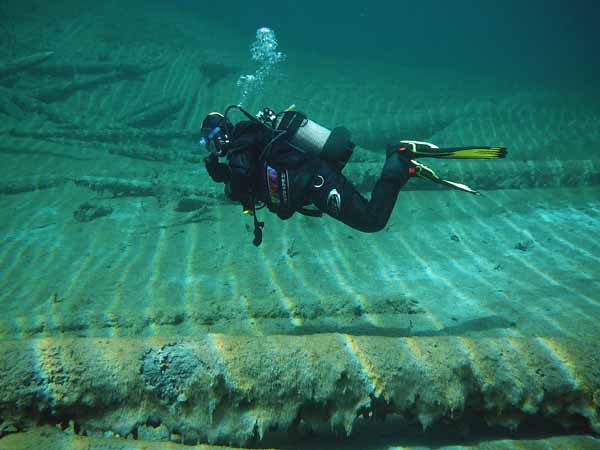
<point>233,389</point>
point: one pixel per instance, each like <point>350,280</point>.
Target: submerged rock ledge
<point>225,389</point>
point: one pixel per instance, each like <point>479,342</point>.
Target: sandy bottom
<point>510,263</point>
<point>111,228</point>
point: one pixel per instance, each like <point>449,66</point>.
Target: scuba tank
<point>308,136</point>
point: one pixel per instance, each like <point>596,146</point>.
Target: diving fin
<point>419,149</point>
<point>422,171</point>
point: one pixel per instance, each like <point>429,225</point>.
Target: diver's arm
<point>239,185</point>
<point>219,172</point>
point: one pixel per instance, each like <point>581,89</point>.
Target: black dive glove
<point>219,172</point>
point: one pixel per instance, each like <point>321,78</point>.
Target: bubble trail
<point>264,51</point>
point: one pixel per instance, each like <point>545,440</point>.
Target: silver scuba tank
<point>308,136</point>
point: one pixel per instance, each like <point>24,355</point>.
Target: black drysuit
<point>289,180</point>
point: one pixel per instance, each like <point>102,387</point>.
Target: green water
<point>111,228</point>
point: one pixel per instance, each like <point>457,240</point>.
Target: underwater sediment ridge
<point>235,390</point>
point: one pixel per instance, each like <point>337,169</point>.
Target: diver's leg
<point>339,198</point>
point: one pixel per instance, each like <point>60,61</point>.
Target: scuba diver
<point>289,164</point>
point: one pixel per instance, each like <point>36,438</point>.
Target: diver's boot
<point>404,155</point>
<point>406,151</point>
<point>397,169</point>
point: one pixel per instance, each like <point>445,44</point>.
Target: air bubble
<point>264,51</point>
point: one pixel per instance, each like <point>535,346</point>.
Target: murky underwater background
<point>113,237</point>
